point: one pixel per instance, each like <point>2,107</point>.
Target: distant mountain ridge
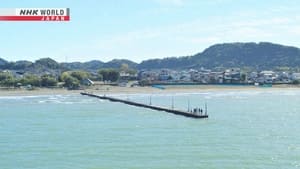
<point>96,64</point>
<point>263,55</point>
<point>45,64</point>
<point>258,55</point>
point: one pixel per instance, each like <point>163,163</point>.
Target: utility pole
<point>172,102</point>
<point>205,108</point>
<point>188,105</point>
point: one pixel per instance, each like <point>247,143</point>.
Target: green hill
<point>255,55</point>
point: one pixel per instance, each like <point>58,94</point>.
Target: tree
<point>31,80</point>
<point>48,80</point>
<point>10,82</point>
<point>7,79</point>
<point>144,82</point>
<point>5,75</point>
<point>243,77</point>
<point>47,62</point>
<point>296,82</point>
<point>99,77</point>
<point>113,75</point>
<point>103,73</point>
<point>109,74</point>
<point>70,81</point>
<point>132,71</point>
<point>80,75</point>
<point>124,67</point>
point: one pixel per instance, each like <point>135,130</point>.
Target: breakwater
<point>193,114</point>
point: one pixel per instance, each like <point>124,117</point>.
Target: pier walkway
<point>177,112</point>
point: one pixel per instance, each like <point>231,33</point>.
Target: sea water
<point>247,129</point>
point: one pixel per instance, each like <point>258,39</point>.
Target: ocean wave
<point>66,99</point>
<point>19,97</point>
<point>50,99</point>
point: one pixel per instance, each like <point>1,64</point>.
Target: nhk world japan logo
<point>35,14</point>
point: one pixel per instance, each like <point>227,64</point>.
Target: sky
<point>145,29</point>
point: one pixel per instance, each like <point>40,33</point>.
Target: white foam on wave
<point>35,96</point>
<point>68,99</point>
<point>50,99</point>
<point>19,97</point>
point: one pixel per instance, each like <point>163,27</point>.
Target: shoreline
<point>143,90</point>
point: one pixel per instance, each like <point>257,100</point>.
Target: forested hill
<point>49,65</point>
<point>253,55</point>
<point>256,55</point>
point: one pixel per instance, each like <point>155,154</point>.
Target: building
<point>164,75</point>
<point>232,75</point>
<point>295,76</point>
<point>266,76</point>
<point>87,82</point>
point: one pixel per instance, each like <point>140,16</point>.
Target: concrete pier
<point>173,111</point>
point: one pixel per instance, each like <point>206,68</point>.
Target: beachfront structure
<point>229,76</point>
<point>87,82</point>
<point>252,77</point>
<point>295,76</point>
<point>148,75</point>
<point>125,76</point>
<point>216,77</point>
<point>202,77</point>
<point>164,75</point>
<point>266,76</point>
<point>185,76</point>
<point>232,75</point>
<point>283,77</point>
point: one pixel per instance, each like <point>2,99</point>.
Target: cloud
<point>187,38</point>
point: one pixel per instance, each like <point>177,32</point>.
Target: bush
<point>7,79</point>
<point>72,78</point>
<point>296,82</point>
<point>48,80</point>
<point>109,74</point>
<point>32,80</point>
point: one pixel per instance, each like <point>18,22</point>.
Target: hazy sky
<point>143,29</point>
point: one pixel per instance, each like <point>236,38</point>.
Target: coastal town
<point>123,77</point>
<point>227,76</point>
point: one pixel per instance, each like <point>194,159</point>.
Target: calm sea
<point>248,129</point>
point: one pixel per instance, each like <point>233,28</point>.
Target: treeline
<point>68,79</point>
<point>50,64</point>
<point>7,79</point>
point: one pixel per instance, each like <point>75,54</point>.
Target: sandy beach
<point>105,89</point>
